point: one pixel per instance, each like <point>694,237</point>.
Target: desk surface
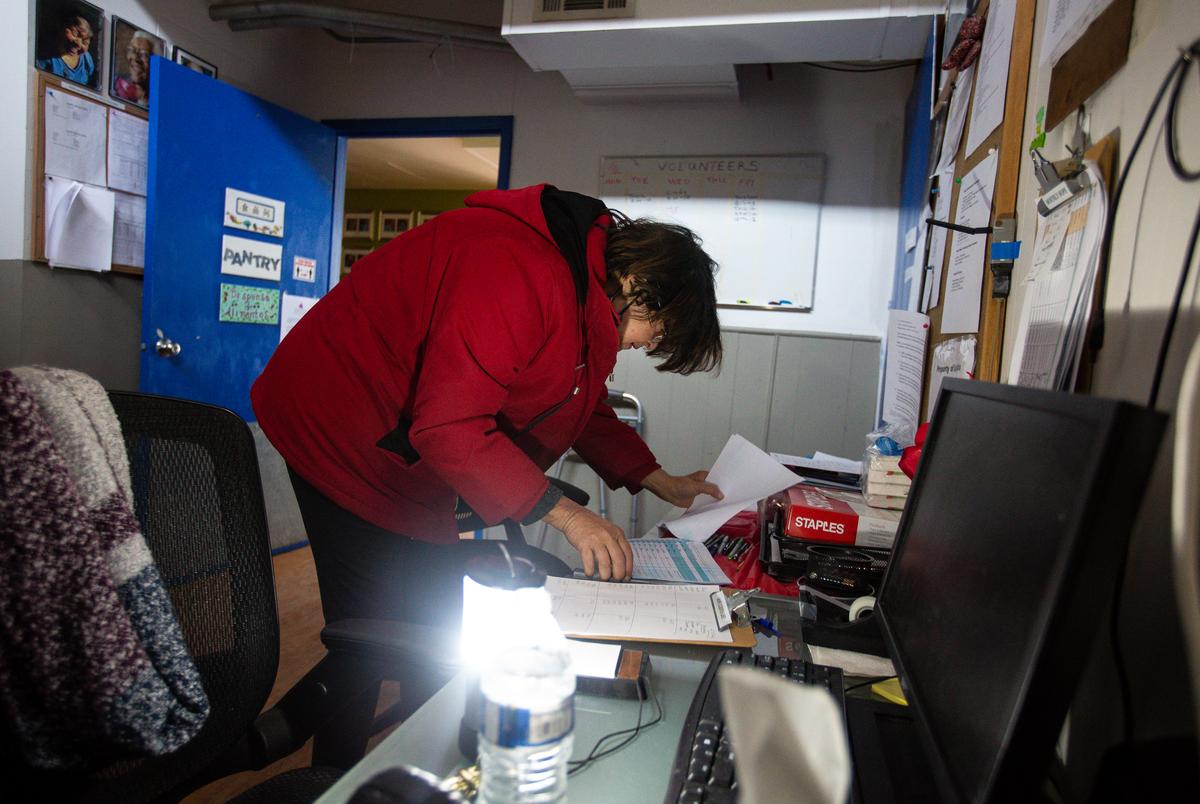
<point>429,739</point>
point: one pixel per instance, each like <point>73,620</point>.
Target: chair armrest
<point>400,645</point>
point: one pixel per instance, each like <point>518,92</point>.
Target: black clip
<point>1005,250</point>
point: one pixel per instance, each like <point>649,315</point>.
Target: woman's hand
<point>680,490</point>
<point>601,544</point>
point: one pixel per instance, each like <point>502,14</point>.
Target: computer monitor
<point>1005,560</point>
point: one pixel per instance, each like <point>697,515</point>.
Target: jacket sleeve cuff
<point>635,477</point>
<point>542,507</point>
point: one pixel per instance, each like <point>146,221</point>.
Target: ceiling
<point>423,163</point>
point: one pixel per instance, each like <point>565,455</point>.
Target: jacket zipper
<point>548,412</point>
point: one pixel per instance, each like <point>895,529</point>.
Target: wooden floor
<point>300,623</point>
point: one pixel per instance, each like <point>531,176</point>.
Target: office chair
<point>198,498</point>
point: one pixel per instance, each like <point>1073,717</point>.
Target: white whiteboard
<point>758,216</point>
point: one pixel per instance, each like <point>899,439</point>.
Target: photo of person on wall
<point>68,40</point>
<point>132,48</point>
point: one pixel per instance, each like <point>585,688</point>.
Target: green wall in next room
<point>404,200</point>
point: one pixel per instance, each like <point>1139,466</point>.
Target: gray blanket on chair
<point>92,659</point>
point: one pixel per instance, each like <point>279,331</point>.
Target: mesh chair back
<point>198,497</point>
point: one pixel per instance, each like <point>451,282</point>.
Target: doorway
<point>394,175</point>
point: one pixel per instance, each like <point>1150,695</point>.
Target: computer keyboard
<point>703,769</point>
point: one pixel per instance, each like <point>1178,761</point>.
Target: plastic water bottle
<point>528,724</point>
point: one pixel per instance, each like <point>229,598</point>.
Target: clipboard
<point>743,635</point>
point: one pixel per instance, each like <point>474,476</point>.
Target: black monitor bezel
<point>1067,631</point>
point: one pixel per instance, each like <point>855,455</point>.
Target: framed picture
<point>68,40</point>
<point>394,223</point>
<point>422,217</point>
<point>193,62</point>
<point>351,256</point>
<point>359,224</point>
<point>129,75</point>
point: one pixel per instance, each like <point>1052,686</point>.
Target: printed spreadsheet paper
<point>666,612</point>
<point>675,561</point>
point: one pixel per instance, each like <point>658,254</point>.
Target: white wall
<point>1152,227</point>
<point>15,42</point>
<point>855,120</point>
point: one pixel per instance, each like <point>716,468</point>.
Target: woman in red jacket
<point>461,360</point>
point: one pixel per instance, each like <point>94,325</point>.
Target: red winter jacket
<point>462,331</point>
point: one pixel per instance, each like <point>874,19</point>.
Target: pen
<point>765,625</point>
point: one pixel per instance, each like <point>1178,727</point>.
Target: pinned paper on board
<point>956,116</point>
<point>964,277</point>
<point>745,474</point>
<point>129,230</point>
<point>79,225</point>
<point>907,335</point>
<point>991,86</point>
<point>127,152</point>
<point>952,358</point>
<point>76,138</point>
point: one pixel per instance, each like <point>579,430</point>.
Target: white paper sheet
<point>75,138</point>
<point>1047,247</point>
<point>927,290</point>
<point>952,358</point>
<point>594,659</point>
<point>79,225</point>
<point>964,278</point>
<point>635,610</point>
<point>291,309</point>
<point>956,116</point>
<point>745,474</point>
<point>789,740</point>
<point>987,110</point>
<point>241,256</point>
<point>127,152</point>
<point>938,237</point>
<point>1066,20</point>
<point>129,230</point>
<point>675,561</point>
<point>905,367</point>
<point>1058,302</point>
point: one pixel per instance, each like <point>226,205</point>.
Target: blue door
<point>205,137</point>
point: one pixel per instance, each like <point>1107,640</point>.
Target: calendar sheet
<point>675,561</point>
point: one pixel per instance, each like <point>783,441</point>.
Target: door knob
<point>165,347</point>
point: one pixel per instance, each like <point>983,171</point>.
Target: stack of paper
<point>79,225</point>
<point>1061,281</point>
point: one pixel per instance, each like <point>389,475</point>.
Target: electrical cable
<point>1177,73</point>
<point>579,764</point>
<point>878,69</point>
<point>1178,66</point>
<point>872,680</point>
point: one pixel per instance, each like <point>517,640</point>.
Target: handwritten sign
<point>253,213</point>
<point>255,259</point>
<point>245,304</point>
<point>758,216</point>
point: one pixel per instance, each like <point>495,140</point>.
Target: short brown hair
<point>673,278</point>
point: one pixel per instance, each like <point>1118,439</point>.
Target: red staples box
<point>827,516</point>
